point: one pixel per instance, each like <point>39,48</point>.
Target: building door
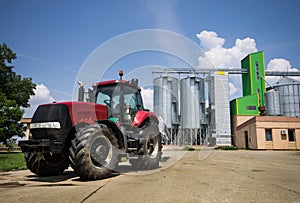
<point>246,140</point>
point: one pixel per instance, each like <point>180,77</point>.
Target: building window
<point>251,108</point>
<point>257,70</point>
<point>283,137</point>
<point>291,133</point>
<point>268,134</point>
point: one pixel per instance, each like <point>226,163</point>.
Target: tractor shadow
<point>64,179</point>
<point>69,175</point>
<point>66,175</point>
<point>126,168</point>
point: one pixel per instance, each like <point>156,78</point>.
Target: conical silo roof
<point>286,81</point>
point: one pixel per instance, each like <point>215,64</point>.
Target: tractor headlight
<point>53,125</point>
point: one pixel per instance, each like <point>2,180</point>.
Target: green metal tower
<point>254,81</point>
<point>254,87</point>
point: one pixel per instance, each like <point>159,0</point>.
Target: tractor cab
<point>122,98</point>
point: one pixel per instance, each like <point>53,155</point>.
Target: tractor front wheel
<point>46,164</point>
<point>94,152</point>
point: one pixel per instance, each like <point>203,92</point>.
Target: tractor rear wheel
<point>46,164</point>
<point>94,152</point>
<point>150,152</point>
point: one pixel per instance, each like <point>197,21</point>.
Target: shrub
<point>188,148</point>
<point>229,148</point>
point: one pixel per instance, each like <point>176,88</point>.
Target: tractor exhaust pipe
<point>80,91</point>
<point>135,82</point>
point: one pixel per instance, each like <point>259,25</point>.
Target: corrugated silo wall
<point>219,110</point>
<point>166,105</point>
<point>192,110</point>
<point>290,99</point>
<point>273,104</point>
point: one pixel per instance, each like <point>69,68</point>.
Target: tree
<point>15,93</point>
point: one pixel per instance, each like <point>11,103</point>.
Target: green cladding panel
<point>233,107</point>
<point>245,106</point>
<point>246,77</point>
<point>254,81</point>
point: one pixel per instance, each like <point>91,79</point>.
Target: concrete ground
<point>198,176</point>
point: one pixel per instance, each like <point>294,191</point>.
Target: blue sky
<point>52,39</point>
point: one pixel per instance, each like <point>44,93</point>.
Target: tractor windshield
<point>119,97</point>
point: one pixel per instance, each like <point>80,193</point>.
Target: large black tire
<point>46,164</point>
<point>94,152</point>
<point>150,151</point>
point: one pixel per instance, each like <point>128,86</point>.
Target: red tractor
<point>93,136</point>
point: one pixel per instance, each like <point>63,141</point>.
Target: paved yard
<point>199,176</point>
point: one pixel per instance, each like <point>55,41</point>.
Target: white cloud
<point>42,96</point>
<point>209,40</point>
<point>147,95</point>
<point>217,56</point>
<point>281,65</point>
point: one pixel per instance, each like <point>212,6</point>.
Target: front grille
<point>52,113</point>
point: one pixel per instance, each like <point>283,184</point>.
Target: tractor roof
<point>112,82</point>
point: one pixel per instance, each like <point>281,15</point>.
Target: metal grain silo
<point>273,104</point>
<point>289,96</point>
<point>192,109</point>
<point>166,103</point>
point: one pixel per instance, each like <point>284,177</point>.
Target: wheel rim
<point>152,147</point>
<point>101,151</point>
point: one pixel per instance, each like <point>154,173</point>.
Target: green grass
<point>12,161</point>
<point>229,148</point>
<point>188,148</point>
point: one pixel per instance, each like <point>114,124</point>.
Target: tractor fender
<point>142,116</point>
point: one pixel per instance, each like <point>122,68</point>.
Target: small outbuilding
<point>27,122</point>
<point>269,132</point>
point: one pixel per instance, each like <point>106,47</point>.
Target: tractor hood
<point>82,111</point>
